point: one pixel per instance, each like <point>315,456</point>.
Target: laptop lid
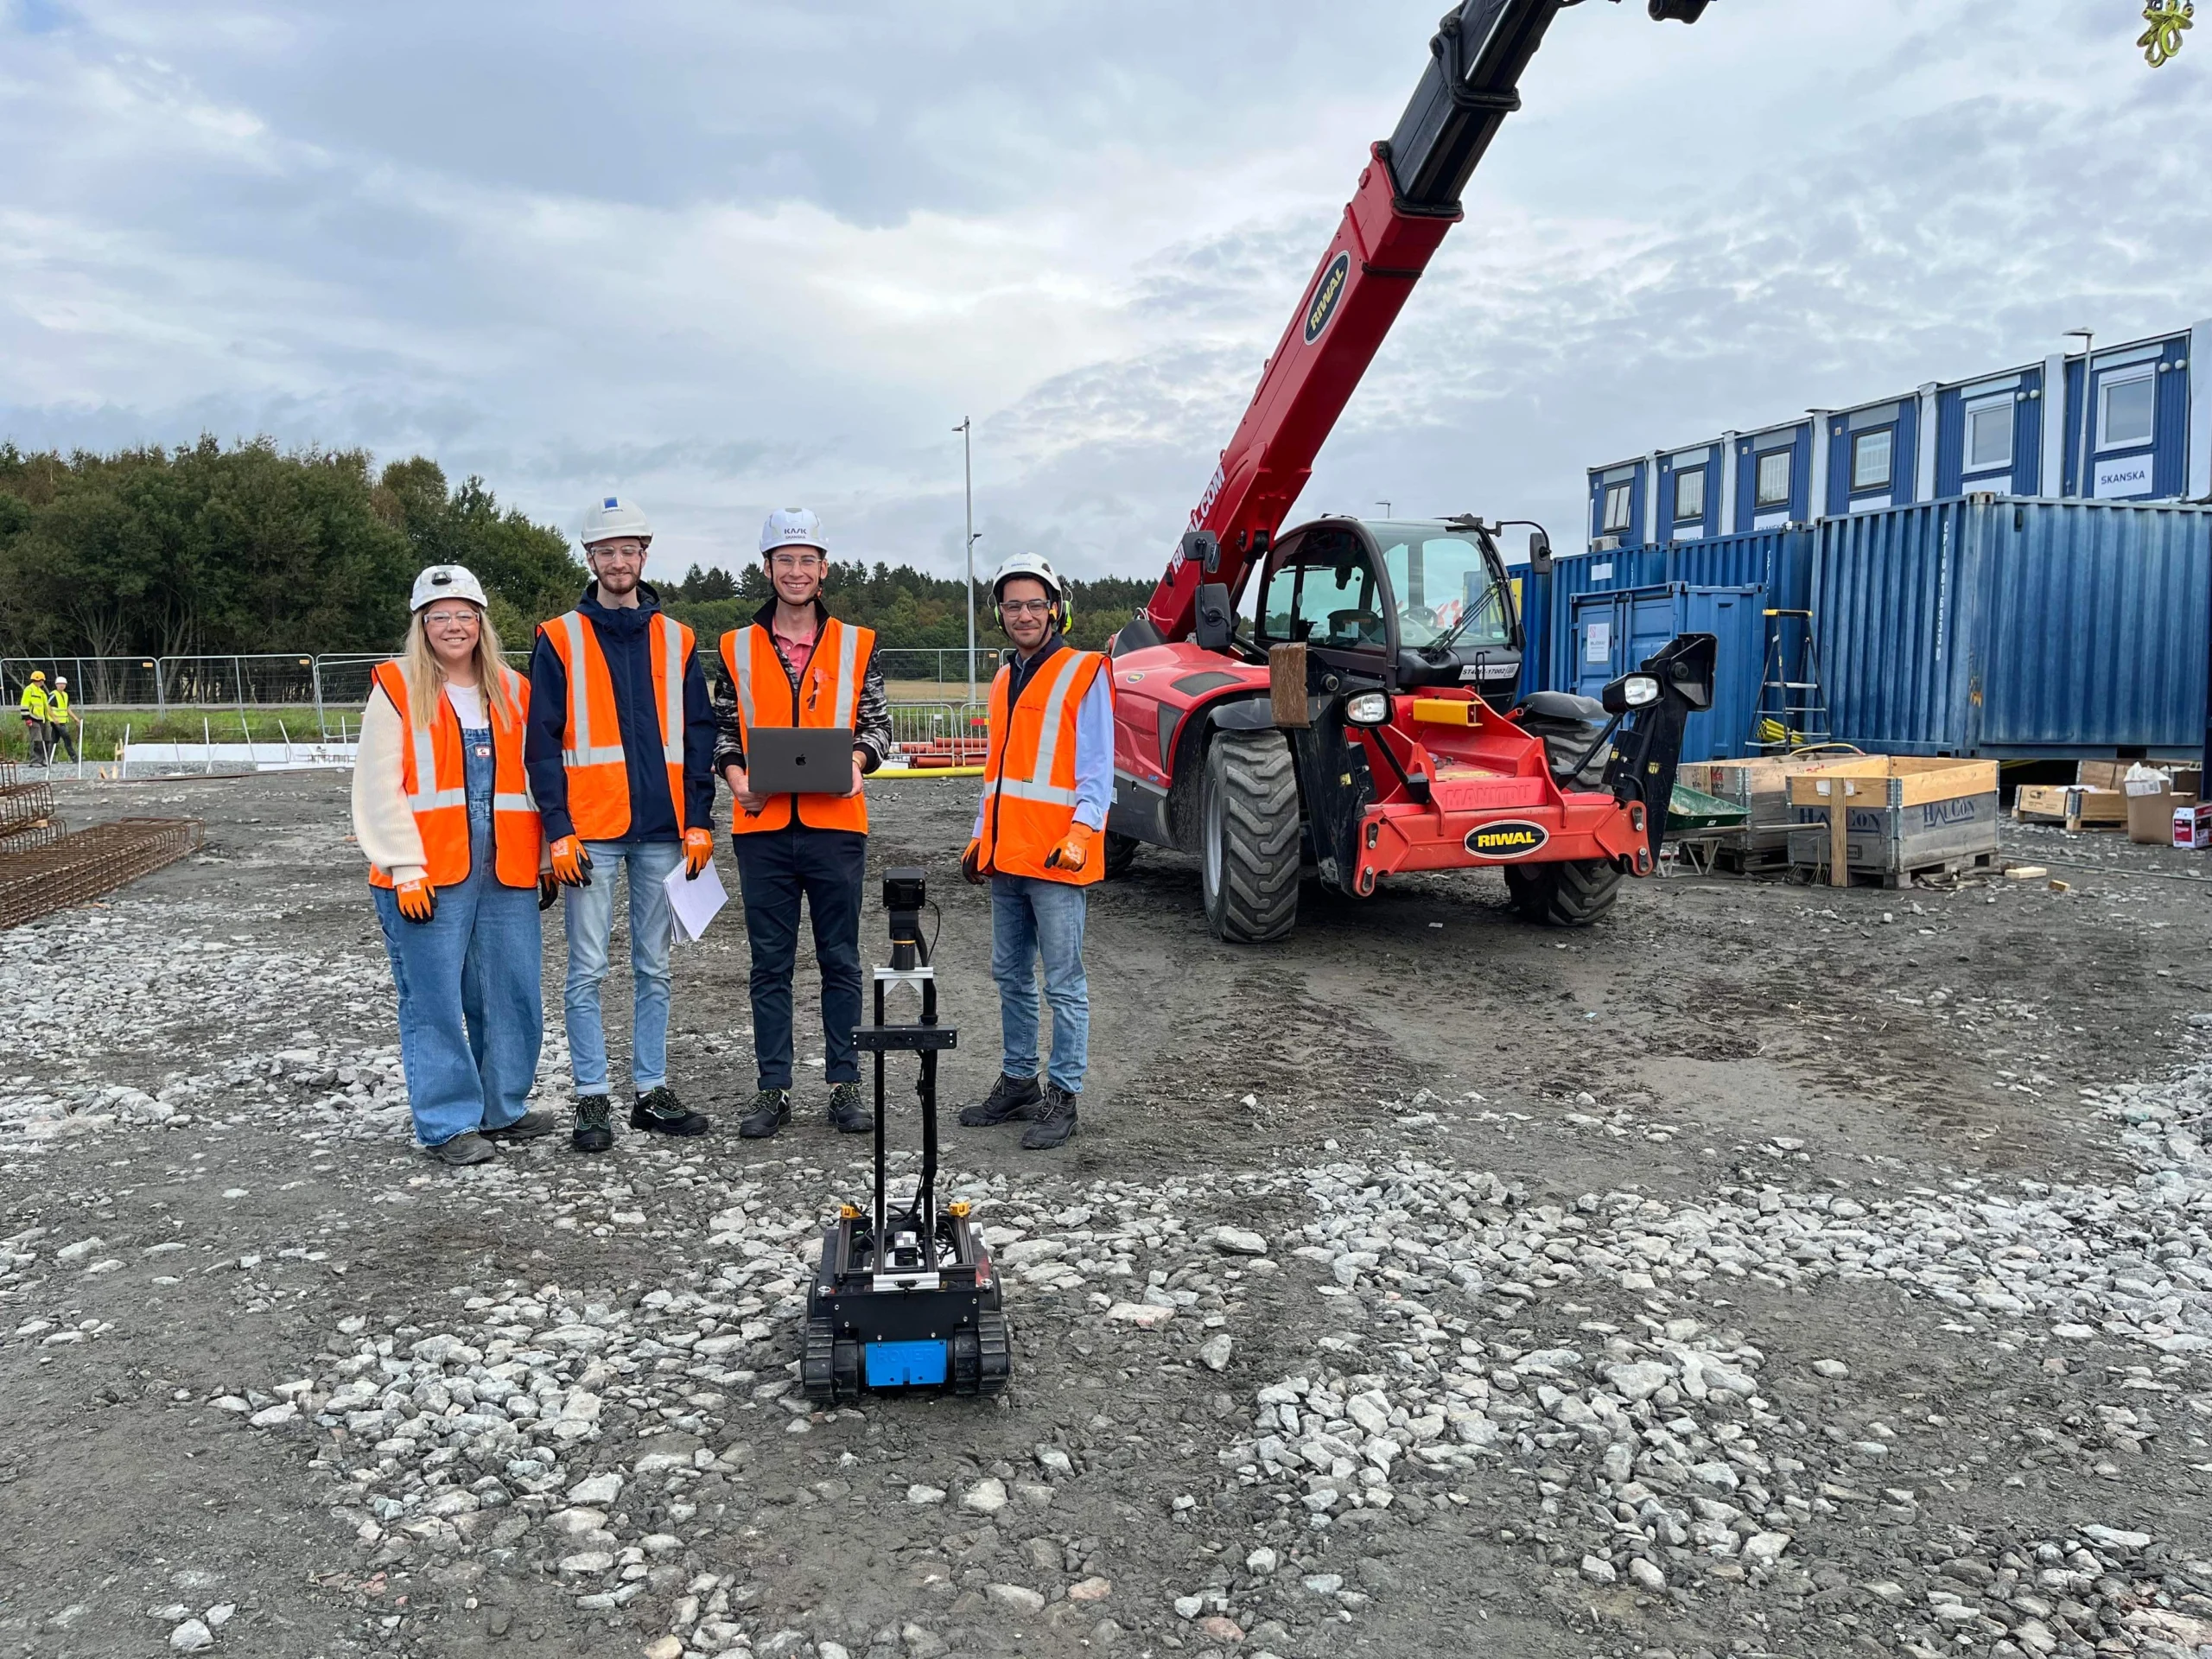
<point>799,760</point>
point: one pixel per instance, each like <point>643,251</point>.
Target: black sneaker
<point>594,1131</point>
<point>1051,1122</point>
<point>771,1109</point>
<point>528,1127</point>
<point>847,1114</point>
<point>1010,1098</point>
<point>466,1148</point>
<point>661,1112</point>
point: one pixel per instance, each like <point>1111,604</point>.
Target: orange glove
<point>549,889</point>
<point>972,862</point>
<point>419,899</point>
<point>571,863</point>
<point>698,851</point>
<point>1074,852</point>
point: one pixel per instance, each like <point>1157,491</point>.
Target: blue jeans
<point>1029,920</point>
<point>470,1013</point>
<point>590,915</point>
<point>774,868</point>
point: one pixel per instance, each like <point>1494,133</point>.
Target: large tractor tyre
<point>1247,827</point>
<point>1120,853</point>
<point>1573,895</point>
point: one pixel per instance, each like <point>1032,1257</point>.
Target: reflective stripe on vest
<point>585,753</point>
<point>1039,785</point>
<point>671,696</point>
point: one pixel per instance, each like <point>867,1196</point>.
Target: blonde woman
<point>444,812</point>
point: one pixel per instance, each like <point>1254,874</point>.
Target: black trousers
<point>775,869</point>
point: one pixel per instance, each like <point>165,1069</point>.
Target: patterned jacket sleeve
<point>872,719</point>
<point>729,733</point>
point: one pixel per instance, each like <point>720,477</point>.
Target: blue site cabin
<point>2145,426</point>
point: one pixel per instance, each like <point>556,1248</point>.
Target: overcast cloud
<point>734,255</point>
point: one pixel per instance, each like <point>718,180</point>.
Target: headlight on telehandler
<point>1368,708</point>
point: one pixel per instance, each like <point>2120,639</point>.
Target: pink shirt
<point>795,653</point>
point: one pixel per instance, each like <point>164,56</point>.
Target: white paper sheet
<point>694,903</point>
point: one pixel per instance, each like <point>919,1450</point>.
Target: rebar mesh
<point>24,804</point>
<point>85,863</point>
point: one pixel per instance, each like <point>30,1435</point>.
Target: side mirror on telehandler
<point>1215,623</point>
<point>1540,552</point>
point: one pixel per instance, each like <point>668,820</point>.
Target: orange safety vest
<point>434,773</point>
<point>591,740</point>
<point>1029,773</point>
<point>828,692</point>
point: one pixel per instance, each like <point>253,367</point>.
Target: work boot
<point>659,1110</point>
<point>468,1147</point>
<point>1010,1098</point>
<point>594,1131</point>
<point>530,1126</point>
<point>1053,1123</point>
<point>771,1109</point>
<point>847,1114</point>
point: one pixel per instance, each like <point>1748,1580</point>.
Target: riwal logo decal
<point>1508,838</point>
<point>1326,295</point>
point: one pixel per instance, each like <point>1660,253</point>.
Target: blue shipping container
<point>2018,628</point>
<point>1781,561</point>
<point>1614,633</point>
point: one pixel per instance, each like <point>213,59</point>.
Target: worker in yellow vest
<point>442,811</point>
<point>795,664</point>
<point>1048,779</point>
<point>621,754</point>
<point>35,705</point>
<point>57,717</point>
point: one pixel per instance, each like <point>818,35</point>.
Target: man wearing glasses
<point>797,665</point>
<point>620,754</point>
<point>1048,779</point>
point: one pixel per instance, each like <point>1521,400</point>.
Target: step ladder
<point>1793,711</point>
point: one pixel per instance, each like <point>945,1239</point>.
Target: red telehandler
<point>1356,717</point>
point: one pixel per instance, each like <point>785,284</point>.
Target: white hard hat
<point>61,679</point>
<point>792,527</point>
<point>1033,565</point>
<point>446,582</point>
<point>610,517</point>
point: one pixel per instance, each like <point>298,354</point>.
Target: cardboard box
<point>2101,774</point>
<point>2193,826</point>
<point>2150,817</point>
<point>2100,809</point>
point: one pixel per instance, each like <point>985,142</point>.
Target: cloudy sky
<point>731,254</point>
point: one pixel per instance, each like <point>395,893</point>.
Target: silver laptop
<point>799,760</point>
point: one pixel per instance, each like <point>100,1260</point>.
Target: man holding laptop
<point>802,717</point>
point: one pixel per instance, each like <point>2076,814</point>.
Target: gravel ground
<point>1767,1270</point>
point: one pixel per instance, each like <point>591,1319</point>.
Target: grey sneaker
<point>530,1126</point>
<point>468,1148</point>
<point>771,1109</point>
<point>847,1114</point>
<point>1051,1123</point>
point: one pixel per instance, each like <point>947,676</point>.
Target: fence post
<point>160,689</point>
<point>315,673</point>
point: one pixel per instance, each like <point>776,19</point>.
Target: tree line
<point>204,549</point>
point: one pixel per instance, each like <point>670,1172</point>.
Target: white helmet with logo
<point>1038,568</point>
<point>792,527</point>
<point>447,581</point>
<point>611,517</point>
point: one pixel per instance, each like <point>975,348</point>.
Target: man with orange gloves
<point>621,754</point>
<point>1048,779</point>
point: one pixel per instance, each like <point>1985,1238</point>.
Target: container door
<point>1736,618</point>
<point>1595,638</point>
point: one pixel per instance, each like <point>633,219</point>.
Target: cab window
<point>1443,586</point>
<point>1325,594</point>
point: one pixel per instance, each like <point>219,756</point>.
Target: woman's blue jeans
<point>471,1008</point>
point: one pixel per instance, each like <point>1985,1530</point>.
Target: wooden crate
<point>1890,817</point>
<point>1760,785</point>
<point>2075,806</point>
